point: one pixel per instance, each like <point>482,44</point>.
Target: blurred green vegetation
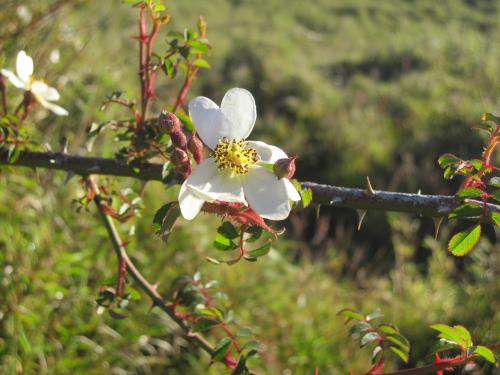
<point>354,88</point>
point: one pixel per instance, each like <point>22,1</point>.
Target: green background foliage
<point>354,88</point>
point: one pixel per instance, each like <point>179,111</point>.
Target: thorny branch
<point>360,199</point>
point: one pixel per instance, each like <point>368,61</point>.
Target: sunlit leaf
<point>486,353</point>
<point>463,242</point>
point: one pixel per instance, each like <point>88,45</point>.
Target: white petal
<point>268,153</point>
<point>41,89</point>
<point>209,183</point>
<point>13,78</point>
<point>60,111</point>
<point>24,66</point>
<point>189,203</point>
<point>267,195</point>
<point>292,192</point>
<point>206,117</point>
<point>240,113</point>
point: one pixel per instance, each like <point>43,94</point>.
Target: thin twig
<point>429,205</point>
<point>147,287</point>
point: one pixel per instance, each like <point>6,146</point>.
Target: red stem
<point>120,283</point>
<point>444,364</point>
<point>142,40</point>
<point>181,97</point>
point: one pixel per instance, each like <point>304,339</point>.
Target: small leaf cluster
<point>380,336</point>
<point>479,188</point>
<point>232,239</point>
<point>459,338</point>
<point>109,300</point>
<point>207,309</point>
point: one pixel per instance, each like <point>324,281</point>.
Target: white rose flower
<point>234,172</point>
<point>43,93</point>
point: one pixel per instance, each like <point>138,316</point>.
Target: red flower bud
<point>196,147</point>
<point>179,139</point>
<point>169,122</point>
<point>179,157</point>
<point>285,167</point>
<point>185,170</point>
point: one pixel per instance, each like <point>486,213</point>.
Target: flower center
<point>234,155</point>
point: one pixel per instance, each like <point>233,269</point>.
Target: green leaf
<point>466,210</point>
<point>495,216</point>
<point>241,367</point>
<point>198,47</point>
<point>202,63</point>
<point>306,196</point>
<point>251,345</point>
<point>223,243</point>
<point>349,314</point>
<point>388,329</point>
<point>165,219</point>
<point>263,250</point>
<point>486,353</point>
<point>400,341</point>
<point>377,352</point>
<point>368,338</point>
<point>204,324</point>
<point>221,348</point>
<point>450,334</point>
<point>464,333</point>
<point>401,354</point>
<point>469,192</point>
<point>490,117</point>
<point>374,315</point>
<point>496,195</point>
<point>447,159</point>
<point>255,233</point>
<point>359,328</point>
<point>463,242</point>
<point>244,332</point>
<point>476,163</point>
<point>228,230</point>
<point>494,181</point>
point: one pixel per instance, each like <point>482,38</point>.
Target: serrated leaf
<point>486,353</point>
<point>399,341</point>
<point>447,159</point>
<point>368,338</point>
<point>495,216</point>
<point>450,334</point>
<point>202,63</point>
<point>306,196</point>
<point>204,324</point>
<point>462,331</point>
<point>244,332</point>
<point>165,219</point>
<point>359,328</point>
<point>263,250</point>
<point>221,348</point>
<point>374,315</point>
<point>401,354</point>
<point>251,345</point>
<point>228,230</point>
<point>349,314</point>
<point>465,241</point>
<point>223,243</point>
<point>388,328</point>
<point>466,210</point>
<point>469,192</point>
<point>494,181</point>
<point>255,233</point>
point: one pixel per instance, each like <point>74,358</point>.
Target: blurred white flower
<point>24,79</point>
<point>24,13</point>
<point>54,56</point>
<point>235,172</point>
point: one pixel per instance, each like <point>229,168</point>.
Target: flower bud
<point>179,157</point>
<point>169,122</point>
<point>185,170</point>
<point>196,147</point>
<point>179,139</point>
<point>285,167</point>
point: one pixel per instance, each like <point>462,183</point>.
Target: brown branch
<point>429,205</point>
<point>432,368</point>
<point>147,287</point>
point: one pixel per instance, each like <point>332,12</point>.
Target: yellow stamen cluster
<point>234,155</point>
